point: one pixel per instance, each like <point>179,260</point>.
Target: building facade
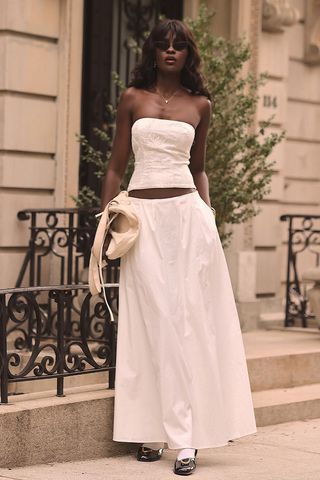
<point>56,58</point>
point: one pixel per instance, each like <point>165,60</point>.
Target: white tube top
<point>161,150</point>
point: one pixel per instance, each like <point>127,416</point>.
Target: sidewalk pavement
<point>288,451</point>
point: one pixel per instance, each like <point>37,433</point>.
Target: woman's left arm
<point>198,152</point>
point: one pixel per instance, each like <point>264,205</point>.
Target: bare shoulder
<point>204,105</point>
<point>204,108</point>
<point>129,94</point>
<point>128,99</point>
<point>131,97</point>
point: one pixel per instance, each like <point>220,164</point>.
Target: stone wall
<point>40,59</point>
<point>292,94</point>
<point>284,39</point>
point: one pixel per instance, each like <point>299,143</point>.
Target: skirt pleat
<point>181,371</point>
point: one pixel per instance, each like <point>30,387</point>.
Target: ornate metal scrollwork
<point>62,354</point>
<point>60,242</point>
<point>303,236</point>
<point>63,234</point>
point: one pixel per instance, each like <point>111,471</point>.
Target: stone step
<point>43,428</point>
<point>284,371</point>
<point>270,320</point>
<point>281,405</point>
<point>276,319</point>
<point>86,413</point>
<point>282,358</point>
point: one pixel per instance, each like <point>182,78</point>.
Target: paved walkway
<point>289,451</point>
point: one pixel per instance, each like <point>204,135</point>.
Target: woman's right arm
<point>121,149</point>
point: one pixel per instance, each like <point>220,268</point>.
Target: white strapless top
<point>161,150</point>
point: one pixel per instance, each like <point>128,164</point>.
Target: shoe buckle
<point>146,449</point>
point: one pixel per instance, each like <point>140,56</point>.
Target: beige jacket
<point>120,220</point>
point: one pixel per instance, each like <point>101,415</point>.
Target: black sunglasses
<point>165,44</point>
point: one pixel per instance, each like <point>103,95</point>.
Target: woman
<point>181,373</point>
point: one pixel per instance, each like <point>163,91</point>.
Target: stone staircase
<point>284,371</point>
<point>283,366</point>
<point>275,320</point>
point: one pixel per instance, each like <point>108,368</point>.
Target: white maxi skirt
<point>181,372</point>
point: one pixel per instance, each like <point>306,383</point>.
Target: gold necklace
<point>167,100</point>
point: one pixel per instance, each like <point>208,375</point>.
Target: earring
<point>154,65</point>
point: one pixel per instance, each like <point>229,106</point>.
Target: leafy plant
<point>237,163</point>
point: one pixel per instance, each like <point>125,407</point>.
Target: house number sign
<point>270,101</point>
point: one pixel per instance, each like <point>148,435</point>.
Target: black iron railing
<point>303,237</point>
<point>28,353</point>
<point>59,245</point>
<point>58,253</point>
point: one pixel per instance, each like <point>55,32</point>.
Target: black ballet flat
<point>146,454</point>
<point>185,466</point>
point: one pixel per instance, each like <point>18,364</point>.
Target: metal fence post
<point>60,297</point>
<point>287,322</point>
<point>3,350</point>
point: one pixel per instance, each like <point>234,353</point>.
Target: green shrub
<point>237,163</point>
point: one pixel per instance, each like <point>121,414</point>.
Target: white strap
<point>101,278</point>
<point>103,263</point>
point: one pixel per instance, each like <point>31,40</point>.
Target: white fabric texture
<point>158,143</point>
<point>181,372</point>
